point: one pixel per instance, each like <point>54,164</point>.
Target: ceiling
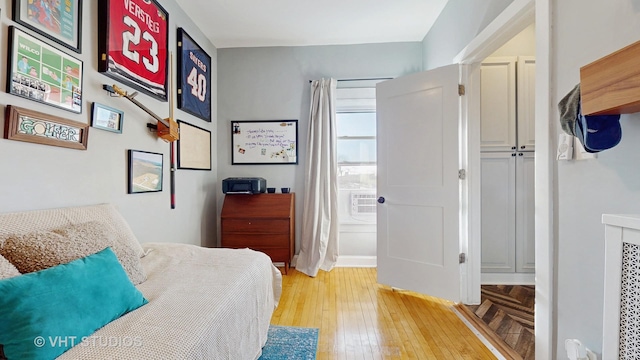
<point>254,23</point>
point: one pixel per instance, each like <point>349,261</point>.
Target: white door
<point>498,104</point>
<point>525,212</point>
<point>526,103</point>
<point>418,185</point>
<point>498,194</point>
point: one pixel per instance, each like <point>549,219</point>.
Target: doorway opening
<point>357,171</point>
<point>505,315</point>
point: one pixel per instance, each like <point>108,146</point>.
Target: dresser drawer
<point>254,226</point>
<point>251,240</point>
<point>276,255</point>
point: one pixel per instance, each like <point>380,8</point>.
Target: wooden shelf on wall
<point>611,85</point>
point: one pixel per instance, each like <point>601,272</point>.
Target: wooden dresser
<point>263,222</point>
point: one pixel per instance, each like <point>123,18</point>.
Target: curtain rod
<point>379,78</point>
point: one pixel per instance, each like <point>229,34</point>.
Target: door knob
<point>381,200</point>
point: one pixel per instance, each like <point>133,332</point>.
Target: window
<point>356,143</point>
<point>356,150</point>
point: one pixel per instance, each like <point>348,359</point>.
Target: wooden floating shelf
<point>611,85</point>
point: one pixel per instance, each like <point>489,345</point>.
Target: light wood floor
<point>360,319</point>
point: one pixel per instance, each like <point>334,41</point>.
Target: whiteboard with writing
<point>264,142</point>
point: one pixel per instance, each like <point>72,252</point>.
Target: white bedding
<point>203,304</point>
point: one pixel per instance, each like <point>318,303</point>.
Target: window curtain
<point>319,236</point>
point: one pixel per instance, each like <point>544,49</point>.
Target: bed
<point>203,303</point>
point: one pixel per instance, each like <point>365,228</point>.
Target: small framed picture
<point>145,172</point>
<point>60,21</point>
<point>40,72</point>
<point>106,118</point>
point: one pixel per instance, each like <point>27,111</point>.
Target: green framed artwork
<point>60,21</point>
<point>40,72</point>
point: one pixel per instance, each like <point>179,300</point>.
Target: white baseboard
<point>345,261</point>
<point>508,279</point>
<point>357,261</point>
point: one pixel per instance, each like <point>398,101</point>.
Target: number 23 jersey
<point>138,43</point>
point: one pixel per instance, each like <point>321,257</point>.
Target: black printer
<point>244,185</point>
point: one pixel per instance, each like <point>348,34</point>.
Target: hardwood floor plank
<point>507,311</point>
<point>360,319</point>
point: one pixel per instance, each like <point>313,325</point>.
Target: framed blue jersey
<point>194,77</point>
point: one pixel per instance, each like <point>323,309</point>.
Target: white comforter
<point>203,304</point>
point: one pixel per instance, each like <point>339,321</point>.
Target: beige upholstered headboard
<point>49,219</point>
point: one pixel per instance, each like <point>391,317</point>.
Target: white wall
<point>459,22</point>
<point>37,176</point>
<point>586,189</point>
<point>523,44</point>
<point>273,83</point>
<point>582,32</point>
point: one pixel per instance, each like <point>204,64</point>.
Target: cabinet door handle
<point>521,154</point>
<point>514,154</point>
<point>513,148</point>
<point>381,200</point>
<point>522,147</point>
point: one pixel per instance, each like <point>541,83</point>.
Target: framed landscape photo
<point>40,72</point>
<point>58,20</point>
<point>194,77</point>
<point>132,44</point>
<point>40,128</point>
<point>106,118</point>
<point>194,147</point>
<point>264,142</point>
<point>145,172</point>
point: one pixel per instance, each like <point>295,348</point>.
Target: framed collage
<point>58,20</point>
<point>40,72</point>
<point>132,49</point>
<point>194,77</point>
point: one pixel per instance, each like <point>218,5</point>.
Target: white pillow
<point>7,269</point>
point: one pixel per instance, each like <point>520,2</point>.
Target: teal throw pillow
<point>45,313</point>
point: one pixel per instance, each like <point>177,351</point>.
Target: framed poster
<point>40,128</point>
<point>145,172</point>
<point>106,118</point>
<point>40,72</point>
<point>264,142</point>
<point>194,77</point>
<point>132,44</point>
<point>60,21</point>
<point>194,147</point>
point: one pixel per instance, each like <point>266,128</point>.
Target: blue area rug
<point>290,343</point>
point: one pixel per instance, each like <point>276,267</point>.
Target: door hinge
<point>462,174</point>
<point>461,90</point>
<point>462,258</point>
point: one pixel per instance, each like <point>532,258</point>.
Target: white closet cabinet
<point>508,238</point>
<point>507,103</point>
<point>526,94</point>
<point>507,140</point>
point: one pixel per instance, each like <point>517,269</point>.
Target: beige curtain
<point>319,237</point>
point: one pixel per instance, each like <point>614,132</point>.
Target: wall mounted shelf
<point>611,85</point>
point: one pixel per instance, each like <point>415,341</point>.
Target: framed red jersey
<point>132,47</point>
